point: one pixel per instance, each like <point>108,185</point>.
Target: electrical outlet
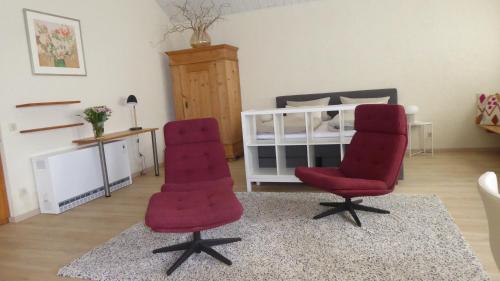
<point>23,191</point>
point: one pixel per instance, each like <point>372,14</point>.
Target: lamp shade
<point>411,109</point>
<point>132,100</point>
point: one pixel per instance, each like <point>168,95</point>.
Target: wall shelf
<point>51,128</point>
<point>34,104</point>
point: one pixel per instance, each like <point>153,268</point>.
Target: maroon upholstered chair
<point>371,164</point>
<point>197,194</point>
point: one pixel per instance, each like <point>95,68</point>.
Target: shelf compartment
<point>266,156</point>
<point>261,143</point>
<point>261,161</point>
<point>292,142</point>
<point>326,155</point>
<point>264,172</point>
<point>273,178</point>
<point>298,136</point>
<point>48,103</point>
<point>251,125</point>
<point>287,172</point>
<point>290,157</point>
<point>51,128</point>
<point>346,138</point>
<point>325,141</point>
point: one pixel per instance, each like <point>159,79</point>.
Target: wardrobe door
<point>199,90</point>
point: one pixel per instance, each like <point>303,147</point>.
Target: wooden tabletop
<point>491,129</point>
<point>113,136</point>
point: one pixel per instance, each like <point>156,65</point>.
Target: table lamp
<point>132,101</point>
<point>411,111</point>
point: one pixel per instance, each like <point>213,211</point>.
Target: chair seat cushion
<point>179,211</point>
<point>332,180</point>
<point>224,183</point>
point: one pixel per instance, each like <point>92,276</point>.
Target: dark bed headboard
<point>335,97</point>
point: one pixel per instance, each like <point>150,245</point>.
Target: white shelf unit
<point>280,140</point>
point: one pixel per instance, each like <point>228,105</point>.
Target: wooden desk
<point>491,129</point>
<point>119,135</point>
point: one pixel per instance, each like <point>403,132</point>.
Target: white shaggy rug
<point>281,241</point>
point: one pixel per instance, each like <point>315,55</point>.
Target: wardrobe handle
<point>186,104</point>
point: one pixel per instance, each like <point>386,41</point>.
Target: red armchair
<point>371,164</point>
<point>197,194</point>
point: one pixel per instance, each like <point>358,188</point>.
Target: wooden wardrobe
<point>206,83</point>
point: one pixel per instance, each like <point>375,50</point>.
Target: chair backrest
<point>488,188</point>
<point>193,151</point>
<point>377,148</point>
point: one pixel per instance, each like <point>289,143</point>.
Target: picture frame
<point>55,44</point>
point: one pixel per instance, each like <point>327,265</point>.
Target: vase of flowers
<point>96,116</point>
<point>98,129</point>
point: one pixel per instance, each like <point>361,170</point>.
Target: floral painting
<point>55,44</point>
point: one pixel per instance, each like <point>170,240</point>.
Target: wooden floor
<point>35,249</point>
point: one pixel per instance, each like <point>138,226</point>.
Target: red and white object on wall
<point>488,110</point>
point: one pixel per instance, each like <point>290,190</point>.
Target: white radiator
<point>70,178</point>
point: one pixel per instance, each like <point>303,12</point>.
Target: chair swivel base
<point>197,245</point>
<point>348,206</point>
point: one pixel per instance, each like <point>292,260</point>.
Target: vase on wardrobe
<point>200,38</point>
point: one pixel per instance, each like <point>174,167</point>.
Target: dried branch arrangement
<point>197,17</point>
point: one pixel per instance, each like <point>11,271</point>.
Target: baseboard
<point>468,149</point>
<point>24,216</point>
<point>147,170</point>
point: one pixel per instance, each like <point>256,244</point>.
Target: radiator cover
<point>70,178</point>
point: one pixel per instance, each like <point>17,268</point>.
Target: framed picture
<point>55,44</point>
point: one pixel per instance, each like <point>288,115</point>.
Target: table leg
<point>423,136</point>
<point>104,169</point>
<point>409,140</point>
<point>432,139</point>
<point>155,153</point>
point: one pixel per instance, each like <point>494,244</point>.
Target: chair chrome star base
<point>197,245</point>
<point>349,206</point>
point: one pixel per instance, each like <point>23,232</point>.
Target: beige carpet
<point>417,241</point>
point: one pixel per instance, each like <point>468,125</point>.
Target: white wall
<point>120,61</point>
<point>438,54</point>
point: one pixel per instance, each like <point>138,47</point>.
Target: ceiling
<point>236,6</point>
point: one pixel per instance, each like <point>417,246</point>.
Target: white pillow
<point>349,114</point>
<point>314,114</point>
<point>382,100</point>
<point>335,122</point>
<point>316,102</point>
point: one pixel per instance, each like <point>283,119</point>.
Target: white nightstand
<point>426,133</point>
